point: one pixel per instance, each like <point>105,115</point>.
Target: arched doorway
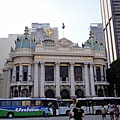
<point>25,92</point>
<point>65,94</point>
<point>15,93</point>
<point>100,93</point>
<point>79,93</point>
<point>50,94</point>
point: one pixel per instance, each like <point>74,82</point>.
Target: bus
<point>93,105</point>
<point>13,107</point>
<point>64,106</point>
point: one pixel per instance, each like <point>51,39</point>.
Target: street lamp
<point>115,90</point>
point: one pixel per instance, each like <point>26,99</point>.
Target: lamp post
<point>115,90</point>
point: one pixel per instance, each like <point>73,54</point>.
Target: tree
<point>113,76</point>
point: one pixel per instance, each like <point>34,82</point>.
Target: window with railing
<point>17,73</point>
<point>98,73</point>
<point>25,72</point>
<point>78,73</point>
<point>49,73</point>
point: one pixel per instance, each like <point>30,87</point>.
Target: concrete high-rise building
<point>5,47</point>
<point>110,10</point>
<point>38,31</point>
<point>97,30</point>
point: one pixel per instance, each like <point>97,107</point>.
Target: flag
<point>63,26</point>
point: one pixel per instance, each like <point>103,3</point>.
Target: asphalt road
<point>87,117</point>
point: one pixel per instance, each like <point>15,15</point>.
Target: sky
<point>76,15</point>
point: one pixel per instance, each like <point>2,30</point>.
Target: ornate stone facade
<point>54,69</point>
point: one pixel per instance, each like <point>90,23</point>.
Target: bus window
<point>16,103</point>
<point>39,103</point>
<point>6,103</point>
<point>33,103</point>
<point>63,104</point>
<point>0,103</point>
<point>26,103</point>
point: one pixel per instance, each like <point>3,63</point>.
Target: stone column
<point>57,78</point>
<point>36,79</point>
<point>105,73</point>
<point>14,74</point>
<point>92,81</point>
<point>87,89</point>
<point>72,79</point>
<point>101,70</point>
<point>95,76</point>
<point>8,84</point>
<point>21,73</point>
<point>29,72</point>
<point>42,79</point>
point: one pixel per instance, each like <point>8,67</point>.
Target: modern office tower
<point>38,31</point>
<point>35,26</point>
<point>5,47</point>
<point>97,30</point>
<point>110,10</point>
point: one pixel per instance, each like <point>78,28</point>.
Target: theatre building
<point>54,69</point>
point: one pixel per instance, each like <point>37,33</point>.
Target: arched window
<point>15,93</point>
<point>65,94</point>
<point>50,94</point>
<point>100,93</point>
<point>25,93</point>
<point>79,93</point>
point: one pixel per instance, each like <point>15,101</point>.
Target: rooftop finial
<point>91,34</point>
<point>26,30</point>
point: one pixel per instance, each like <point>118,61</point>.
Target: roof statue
<point>48,32</point>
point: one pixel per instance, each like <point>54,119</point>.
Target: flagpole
<point>63,33</point>
<point>63,27</point>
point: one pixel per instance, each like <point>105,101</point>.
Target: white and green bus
<point>14,107</point>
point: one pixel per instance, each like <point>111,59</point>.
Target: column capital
<point>85,63</point>
<point>72,63</point>
<point>57,62</point>
<point>42,62</point>
<point>91,63</point>
<point>36,62</point>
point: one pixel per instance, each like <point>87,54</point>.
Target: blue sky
<point>76,15</point>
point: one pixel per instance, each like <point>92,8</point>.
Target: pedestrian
<point>111,110</point>
<point>46,112</point>
<point>116,112</point>
<point>103,112</point>
<point>78,112</point>
<point>72,106</point>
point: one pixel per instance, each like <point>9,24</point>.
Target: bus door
<point>89,107</point>
<point>55,108</point>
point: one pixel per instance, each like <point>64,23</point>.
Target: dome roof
<point>48,42</point>
<point>93,43</point>
<point>25,41</point>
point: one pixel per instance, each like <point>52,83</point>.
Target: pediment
<point>64,43</point>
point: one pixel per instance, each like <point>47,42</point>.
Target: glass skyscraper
<point>110,10</point>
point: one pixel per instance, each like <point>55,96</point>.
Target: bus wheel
<point>98,112</point>
<point>10,115</point>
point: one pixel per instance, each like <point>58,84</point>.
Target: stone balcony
<point>101,83</point>
<point>14,83</point>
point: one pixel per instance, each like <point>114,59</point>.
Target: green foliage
<point>113,73</point>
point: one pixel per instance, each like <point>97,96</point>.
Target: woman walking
<point>78,112</point>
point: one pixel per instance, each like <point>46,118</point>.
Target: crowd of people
<point>112,110</point>
<point>77,113</point>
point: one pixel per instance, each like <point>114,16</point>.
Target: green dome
<point>25,41</point>
<point>93,43</point>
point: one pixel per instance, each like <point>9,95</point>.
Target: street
<point>87,117</point>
